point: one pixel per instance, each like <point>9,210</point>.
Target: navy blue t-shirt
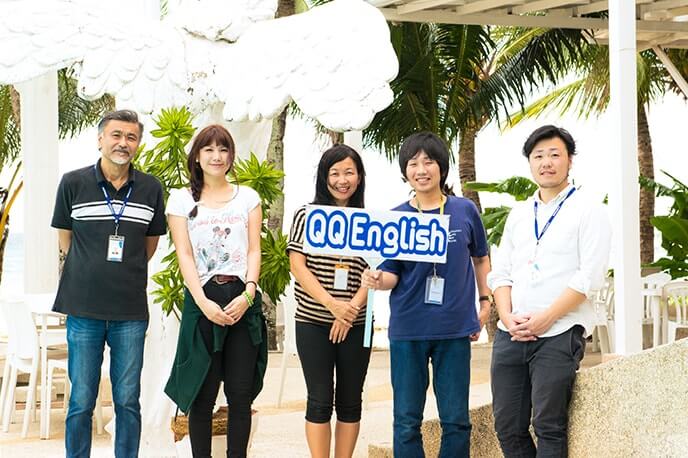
<point>411,318</point>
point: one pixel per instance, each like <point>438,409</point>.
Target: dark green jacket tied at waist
<point>192,361</point>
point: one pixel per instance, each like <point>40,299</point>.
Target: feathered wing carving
<point>138,62</point>
<point>334,61</point>
<point>222,19</point>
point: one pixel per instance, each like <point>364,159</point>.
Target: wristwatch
<point>488,298</point>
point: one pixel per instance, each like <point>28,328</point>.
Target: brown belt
<point>222,279</point>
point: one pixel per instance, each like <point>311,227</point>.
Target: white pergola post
<point>39,138</point>
<point>625,189</point>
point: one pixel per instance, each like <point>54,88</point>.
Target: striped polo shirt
<point>91,286</point>
<point>307,309</point>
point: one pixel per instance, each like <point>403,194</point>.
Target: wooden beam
<point>667,14</point>
<point>663,5</point>
<point>594,7</point>
<point>543,5</point>
<point>671,68</point>
<point>419,5</point>
<point>451,17</point>
<point>481,6</point>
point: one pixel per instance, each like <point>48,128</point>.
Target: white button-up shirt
<point>572,253</point>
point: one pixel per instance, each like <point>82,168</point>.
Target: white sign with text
<point>376,234</point>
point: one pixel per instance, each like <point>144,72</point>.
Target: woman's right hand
<point>344,311</point>
<point>214,313</point>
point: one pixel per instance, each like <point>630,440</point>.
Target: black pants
<point>536,375</point>
<point>319,357</point>
<point>235,366</point>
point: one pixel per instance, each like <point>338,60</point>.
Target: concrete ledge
<point>630,406</point>
<point>483,439</point>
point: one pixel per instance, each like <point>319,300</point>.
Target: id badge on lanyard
<point>434,284</point>
<point>115,252</point>
<point>115,246</point>
<point>535,274</point>
<point>434,290</point>
<point>341,276</point>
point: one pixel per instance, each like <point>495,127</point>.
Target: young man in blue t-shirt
<point>433,307</point>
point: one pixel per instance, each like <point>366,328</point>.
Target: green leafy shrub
<point>494,218</point>
<point>673,227</point>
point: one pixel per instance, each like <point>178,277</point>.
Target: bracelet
<point>254,283</point>
<point>484,298</point>
<point>248,297</point>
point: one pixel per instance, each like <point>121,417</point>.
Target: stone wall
<point>483,439</point>
<point>634,406</point>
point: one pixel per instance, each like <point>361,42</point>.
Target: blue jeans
<point>451,368</point>
<point>85,344</point>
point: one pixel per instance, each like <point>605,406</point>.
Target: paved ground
<point>279,432</point>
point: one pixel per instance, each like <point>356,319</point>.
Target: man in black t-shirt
<point>109,217</point>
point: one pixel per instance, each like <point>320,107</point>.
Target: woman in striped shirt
<point>330,313</point>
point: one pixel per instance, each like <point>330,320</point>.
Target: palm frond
<point>75,113</point>
<point>535,58</point>
<point>9,128</point>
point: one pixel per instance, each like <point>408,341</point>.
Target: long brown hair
<point>213,133</point>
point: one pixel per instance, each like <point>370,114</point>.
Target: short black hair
<point>338,153</point>
<point>430,144</point>
<point>120,115</point>
<point>545,133</point>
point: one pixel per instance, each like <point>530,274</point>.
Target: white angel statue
<point>334,61</point>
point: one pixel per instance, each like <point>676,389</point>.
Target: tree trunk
<point>467,138</point>
<point>646,196</point>
<point>16,110</point>
<point>467,162</point>
<point>275,155</point>
<point>336,137</point>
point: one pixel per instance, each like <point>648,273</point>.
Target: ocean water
<point>12,281</point>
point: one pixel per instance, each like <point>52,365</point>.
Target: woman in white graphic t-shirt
<point>215,226</point>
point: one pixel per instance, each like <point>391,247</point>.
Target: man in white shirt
<point>552,256</point>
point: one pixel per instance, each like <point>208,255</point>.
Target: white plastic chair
<point>22,356</point>
<point>651,291</point>
<point>289,343</point>
<point>676,295</point>
<point>604,317</point>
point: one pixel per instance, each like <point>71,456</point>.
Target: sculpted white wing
<point>222,19</point>
<point>335,61</point>
<point>141,63</point>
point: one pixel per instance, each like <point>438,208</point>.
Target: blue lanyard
<point>116,216</point>
<point>538,234</point>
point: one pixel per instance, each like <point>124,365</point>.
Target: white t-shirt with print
<point>219,236</point>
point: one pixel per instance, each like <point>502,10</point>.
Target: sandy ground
<point>279,432</point>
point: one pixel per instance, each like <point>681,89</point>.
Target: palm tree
<point>455,79</point>
<point>74,115</point>
<point>589,95</point>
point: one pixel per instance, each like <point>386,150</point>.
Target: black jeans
<point>319,357</point>
<point>535,375</point>
<point>235,365</point>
